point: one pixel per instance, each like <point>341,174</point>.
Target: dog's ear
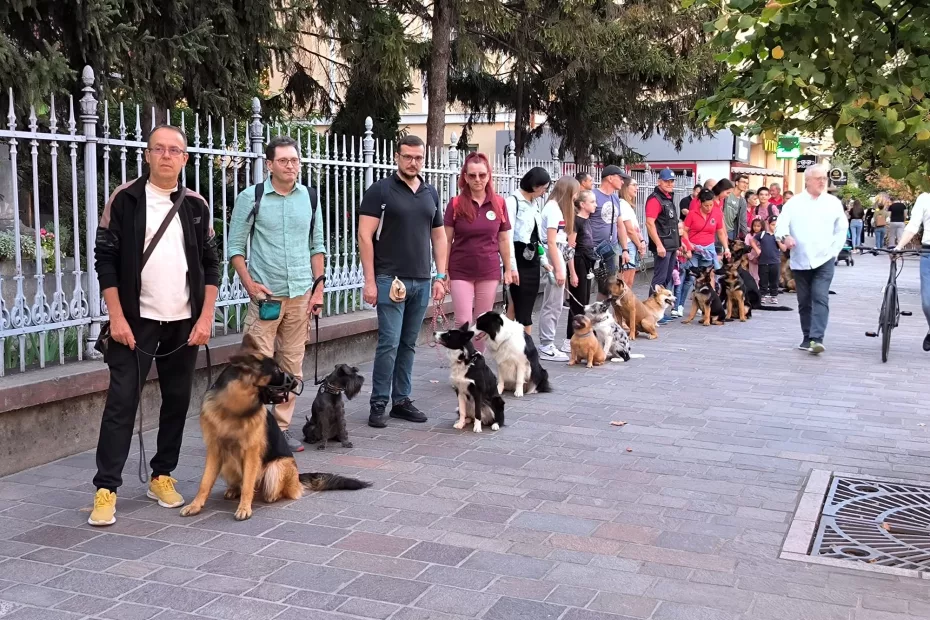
<point>250,345</point>
<point>353,385</point>
<point>464,326</point>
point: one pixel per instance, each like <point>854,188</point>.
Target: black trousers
<point>175,378</point>
<point>769,276</point>
<point>524,295</point>
<point>580,295</point>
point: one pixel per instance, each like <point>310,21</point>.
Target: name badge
<point>491,215</point>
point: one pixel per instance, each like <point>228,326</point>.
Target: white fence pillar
<point>88,104</point>
<point>256,135</point>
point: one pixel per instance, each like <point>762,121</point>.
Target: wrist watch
<point>439,276</point>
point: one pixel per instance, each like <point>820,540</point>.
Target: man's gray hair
<point>809,172</point>
<point>176,130</point>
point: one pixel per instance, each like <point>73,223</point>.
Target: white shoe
<point>681,310</point>
<point>551,353</point>
<point>566,346</point>
<point>675,312</point>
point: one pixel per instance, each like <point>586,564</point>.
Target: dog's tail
<point>543,385</point>
<point>774,308</point>
<point>331,482</point>
<point>625,355</point>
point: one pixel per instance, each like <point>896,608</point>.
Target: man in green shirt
<point>283,263</point>
<point>734,209</point>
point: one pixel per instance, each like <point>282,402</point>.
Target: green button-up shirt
<point>281,244</point>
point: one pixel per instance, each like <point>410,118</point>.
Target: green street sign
<point>789,147</point>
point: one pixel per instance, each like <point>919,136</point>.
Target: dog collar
<point>329,389</point>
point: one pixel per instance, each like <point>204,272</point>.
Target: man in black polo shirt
<point>399,216</point>
<point>898,214</point>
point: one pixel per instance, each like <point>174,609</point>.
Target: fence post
<point>368,153</point>
<point>454,166</point>
<point>88,104</point>
<point>256,134</point>
<point>512,166</point>
<point>556,163</point>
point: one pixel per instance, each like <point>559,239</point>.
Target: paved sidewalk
<point>680,514</point>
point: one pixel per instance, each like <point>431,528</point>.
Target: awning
<point>758,171</point>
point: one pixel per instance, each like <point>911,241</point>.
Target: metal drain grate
<point>877,522</point>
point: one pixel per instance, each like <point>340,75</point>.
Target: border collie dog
<point>474,383</point>
<point>515,353</point>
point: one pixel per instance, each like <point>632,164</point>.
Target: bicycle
<point>891,312</point>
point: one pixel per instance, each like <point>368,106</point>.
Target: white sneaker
<point>566,346</point>
<point>681,310</point>
<point>551,353</point>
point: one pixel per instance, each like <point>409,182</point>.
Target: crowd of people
<point>578,237</point>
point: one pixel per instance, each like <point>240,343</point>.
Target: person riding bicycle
<point>920,215</point>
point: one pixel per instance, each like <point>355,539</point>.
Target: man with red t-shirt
<point>662,226</point>
<point>776,198</point>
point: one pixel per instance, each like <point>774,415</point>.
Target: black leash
<point>143,472</point>
<point>316,327</point>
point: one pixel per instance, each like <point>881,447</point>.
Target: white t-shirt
<point>920,214</point>
<point>628,214</point>
<point>165,294</point>
<point>552,218</point>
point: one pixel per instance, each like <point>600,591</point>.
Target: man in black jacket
<point>163,307</point>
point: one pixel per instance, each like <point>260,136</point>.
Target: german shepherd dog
<point>475,384</point>
<point>735,293</point>
<point>752,296</point>
<point>327,421</point>
<point>245,445</point>
<point>706,298</point>
<point>786,278</point>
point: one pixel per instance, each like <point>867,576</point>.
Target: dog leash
<point>316,328</point>
<point>438,321</point>
<point>143,470</point>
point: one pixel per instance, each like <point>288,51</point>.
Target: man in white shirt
<point>813,226</point>
<point>921,215</point>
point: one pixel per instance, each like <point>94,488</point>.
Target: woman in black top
<point>581,265</point>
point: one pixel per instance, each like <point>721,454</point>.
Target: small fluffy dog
<point>245,445</point>
<point>473,381</point>
<point>613,338</point>
<point>515,353</point>
<point>585,345</point>
<point>327,420</point>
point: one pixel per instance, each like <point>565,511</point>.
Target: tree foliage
<point>592,68</point>
<point>857,68</point>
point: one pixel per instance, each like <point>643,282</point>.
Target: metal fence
<point>59,167</point>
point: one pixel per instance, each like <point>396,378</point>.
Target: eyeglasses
<point>171,151</point>
<point>417,159</point>
<point>476,176</point>
<point>284,162</point>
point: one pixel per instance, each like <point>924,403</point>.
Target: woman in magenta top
<point>477,229</point>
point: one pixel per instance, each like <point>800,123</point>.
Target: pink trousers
<point>471,299</point>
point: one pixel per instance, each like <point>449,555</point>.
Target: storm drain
<point>855,521</point>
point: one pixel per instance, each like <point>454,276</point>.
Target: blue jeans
<point>880,237</point>
<point>925,285</point>
<point>399,325</point>
<point>813,288</point>
<point>687,280</point>
<point>855,231</point>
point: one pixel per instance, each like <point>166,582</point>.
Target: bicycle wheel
<point>888,318</point>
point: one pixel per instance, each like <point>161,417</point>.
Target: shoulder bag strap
<point>164,226</point>
<point>259,189</point>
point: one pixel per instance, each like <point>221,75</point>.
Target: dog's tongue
<point>480,336</point>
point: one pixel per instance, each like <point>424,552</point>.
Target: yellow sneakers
<point>104,512</point>
<point>162,489</point>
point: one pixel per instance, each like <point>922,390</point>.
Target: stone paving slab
<point>680,514</point>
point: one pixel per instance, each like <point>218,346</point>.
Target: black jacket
<point>121,236</point>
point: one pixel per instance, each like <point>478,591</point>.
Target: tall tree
<point>858,68</point>
<point>594,69</point>
<point>212,54</point>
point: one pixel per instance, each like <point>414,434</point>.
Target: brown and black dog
<point>245,445</point>
<point>787,278</point>
<point>585,345</point>
<point>639,316</point>
<point>705,298</point>
<point>734,291</point>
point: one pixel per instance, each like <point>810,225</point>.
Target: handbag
<point>102,345</point>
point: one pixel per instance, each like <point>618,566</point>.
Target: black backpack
<point>260,189</point>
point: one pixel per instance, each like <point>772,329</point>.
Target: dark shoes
<point>376,417</point>
<point>405,410</point>
<point>927,342</point>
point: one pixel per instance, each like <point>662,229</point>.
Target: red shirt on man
<point>703,230</point>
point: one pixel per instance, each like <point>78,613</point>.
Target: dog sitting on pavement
<point>515,353</point>
<point>473,381</point>
<point>327,420</point>
<point>705,298</point>
<point>585,345</point>
<point>639,316</point>
<point>613,338</point>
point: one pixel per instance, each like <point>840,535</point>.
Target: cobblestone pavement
<point>680,514</point>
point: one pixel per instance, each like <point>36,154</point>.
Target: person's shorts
<point>634,256</point>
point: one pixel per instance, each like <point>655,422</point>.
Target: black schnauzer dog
<point>327,419</point>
